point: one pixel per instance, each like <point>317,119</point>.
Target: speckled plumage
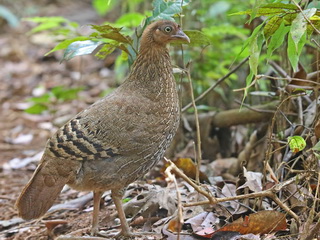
<point>117,139</point>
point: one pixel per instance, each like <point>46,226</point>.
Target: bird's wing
<point>104,130</point>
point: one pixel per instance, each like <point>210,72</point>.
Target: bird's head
<point>163,32</point>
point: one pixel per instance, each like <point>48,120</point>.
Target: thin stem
<point>185,108</point>
<point>198,144</point>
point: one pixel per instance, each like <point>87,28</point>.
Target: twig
<point>185,108</point>
<point>305,17</point>
<point>180,213</point>
<point>285,78</point>
<point>316,43</point>
<point>252,108</point>
<point>280,70</point>
<point>198,145</point>
<point>308,234</point>
<point>191,182</point>
<point>271,193</point>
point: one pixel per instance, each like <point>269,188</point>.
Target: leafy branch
<point>281,21</point>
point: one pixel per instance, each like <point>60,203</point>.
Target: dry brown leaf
<point>300,74</point>
<point>258,223</point>
<point>317,129</point>
<point>189,168</point>
<point>202,221</point>
<point>174,225</point>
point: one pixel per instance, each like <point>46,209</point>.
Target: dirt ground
<point>24,68</point>
<point>26,73</point>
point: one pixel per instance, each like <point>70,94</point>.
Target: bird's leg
<point>117,199</point>
<point>95,215</point>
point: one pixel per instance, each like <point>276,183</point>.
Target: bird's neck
<point>152,71</point>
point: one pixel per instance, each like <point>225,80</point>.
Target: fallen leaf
<point>317,129</point>
<point>253,180</point>
<point>202,221</point>
<point>10,222</point>
<point>21,139</point>
<point>174,225</point>
<point>17,163</point>
<point>258,223</point>
<point>224,235</point>
<point>189,168</point>
<point>74,204</point>
<point>206,232</point>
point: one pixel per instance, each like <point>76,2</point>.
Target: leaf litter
<point>151,205</point>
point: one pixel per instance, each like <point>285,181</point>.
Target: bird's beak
<point>180,36</point>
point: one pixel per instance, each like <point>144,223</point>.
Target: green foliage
<point>102,6</point>
<point>64,44</point>
<point>54,25</point>
<point>107,37</point>
<point>215,45</point>
<point>46,101</point>
<point>283,21</point>
<point>296,143</point>
<point>198,38</point>
<point>276,39</point>
<point>166,9</point>
<point>130,20</point>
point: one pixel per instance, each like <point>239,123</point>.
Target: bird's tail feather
<point>41,191</point>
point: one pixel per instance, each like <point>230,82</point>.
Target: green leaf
<point>45,98</point>
<point>277,39</point>
<point>46,19</point>
<point>255,9</point>
<point>248,82</point>
<point>36,108</point>
<point>316,147</point>
<point>64,94</point>
<point>296,143</point>
<point>45,26</point>
<point>105,50</point>
<point>125,200</point>
<point>299,25</point>
<point>255,45</point>
<point>166,9</point>
<point>103,6</point>
<point>105,28</point>
<point>197,38</point>
<point>260,12</point>
<point>130,19</point>
<point>79,48</point>
<point>113,33</point>
<point>250,39</point>
<point>271,26</point>
<point>64,44</point>
<point>293,52</point>
<point>281,6</point>
<point>117,36</point>
<point>49,23</point>
<point>271,9</point>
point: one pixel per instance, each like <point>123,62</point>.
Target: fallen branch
<point>254,114</point>
<point>271,193</point>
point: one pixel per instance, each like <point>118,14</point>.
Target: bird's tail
<point>42,189</point>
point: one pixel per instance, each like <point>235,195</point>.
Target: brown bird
<point>117,139</point>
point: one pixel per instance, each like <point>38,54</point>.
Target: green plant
<point>284,25</point>
<point>48,100</point>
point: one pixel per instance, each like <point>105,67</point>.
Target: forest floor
<point>26,73</point>
<point>23,136</point>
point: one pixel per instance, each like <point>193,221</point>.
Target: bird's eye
<point>168,29</point>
